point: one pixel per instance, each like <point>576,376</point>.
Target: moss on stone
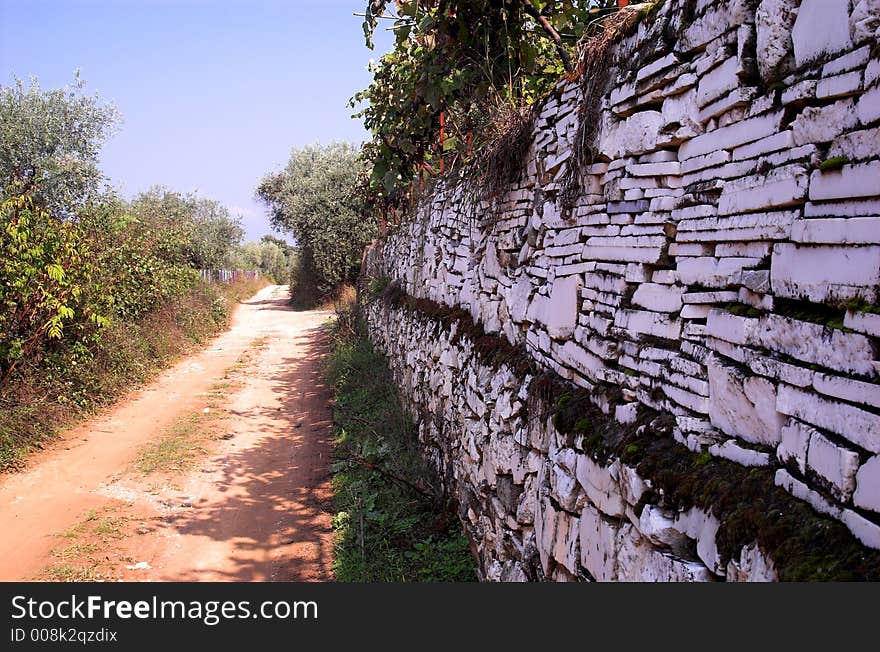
<point>750,507</point>
<point>859,304</point>
<point>833,163</point>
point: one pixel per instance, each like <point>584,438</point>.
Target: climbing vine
<point>461,74</point>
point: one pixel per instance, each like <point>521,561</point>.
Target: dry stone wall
<point>719,266</point>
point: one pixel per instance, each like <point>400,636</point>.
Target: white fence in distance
<point>227,275</point>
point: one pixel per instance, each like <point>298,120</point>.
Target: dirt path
<point>216,471</point>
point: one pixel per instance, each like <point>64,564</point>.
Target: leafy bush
<point>46,274</point>
<point>74,377</point>
<point>196,232</point>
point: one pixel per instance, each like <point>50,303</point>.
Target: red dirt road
<point>254,506</point>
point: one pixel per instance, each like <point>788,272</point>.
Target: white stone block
<point>868,106</point>
<point>560,311</point>
<point>821,29</point>
<point>863,322</point>
<point>564,488</point>
<point>780,188</point>
<point>814,343</point>
<point>639,561</point>
<point>581,360</point>
<point>598,545</point>
<point>659,65</point>
<point>857,145</point>
<point>742,406</point>
<point>848,389</point>
<point>752,566</point>
<point>835,464</point>
<point>872,70</point>
<point>843,208</point>
<point>850,181</point>
<point>743,249</point>
<point>774,20</point>
<point>690,400</point>
<point>710,272</point>
<point>862,529</point>
<point>732,136</point>
<point>800,490</point>
<point>820,124</point>
<point>691,249</point>
<point>566,548</point>
<point>799,92</point>
<point>695,311</point>
<point>634,135</point>
<point>794,444</point>
<point>718,81</point>
<point>825,273</point>
<point>856,230</point>
<point>729,327</point>
<point>660,298</point>
<point>867,494</point>
<point>660,528</point>
<point>624,254</point>
<point>848,83</point>
<point>857,426</point>
<point>709,297</point>
<point>669,168</point>
<point>702,527</point>
<point>545,532</point>
<point>518,298</point>
<point>774,143</point>
<point>648,323</point>
<point>715,225</point>
<point>850,61</point>
<point>739,98</point>
<point>864,21</point>
<point>600,485</point>
<point>732,451</point>
<point>704,161</point>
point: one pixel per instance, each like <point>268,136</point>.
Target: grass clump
<point>82,557</point>
<point>392,523</point>
<point>176,449</point>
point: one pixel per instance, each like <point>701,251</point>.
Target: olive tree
<point>199,232</point>
<point>315,199</point>
<point>50,141</point>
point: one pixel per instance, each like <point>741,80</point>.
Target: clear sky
<point>213,93</point>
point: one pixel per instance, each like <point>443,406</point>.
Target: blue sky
<point>213,93</point>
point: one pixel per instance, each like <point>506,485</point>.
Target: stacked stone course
<point>721,264</point>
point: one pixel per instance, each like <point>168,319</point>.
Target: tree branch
<point>554,35</point>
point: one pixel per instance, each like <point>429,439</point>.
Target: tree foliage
<point>273,257</point>
<point>199,232</point>
<point>315,200</point>
<point>50,140</point>
<point>459,68</point>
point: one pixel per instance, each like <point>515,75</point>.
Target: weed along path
<point>219,470</point>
